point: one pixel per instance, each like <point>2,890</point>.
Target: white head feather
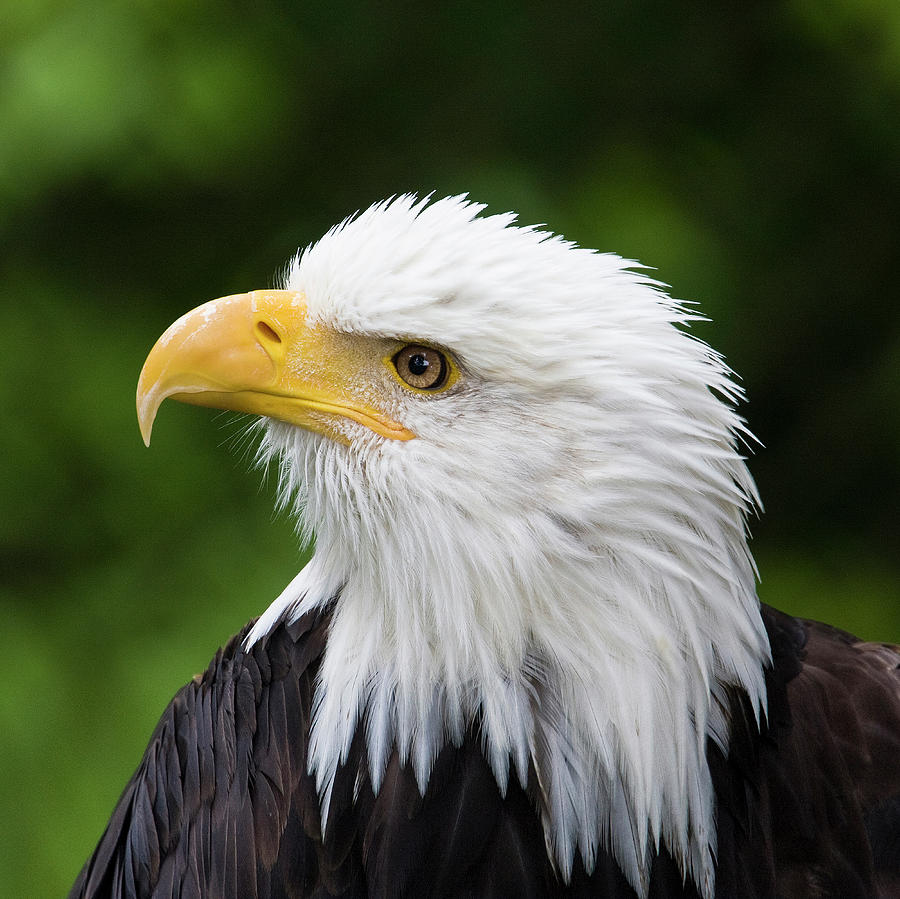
<point>562,550</point>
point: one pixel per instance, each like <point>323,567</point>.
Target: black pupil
<point>418,364</point>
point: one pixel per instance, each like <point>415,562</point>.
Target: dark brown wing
<point>812,808</point>
<point>223,786</point>
<point>857,684</point>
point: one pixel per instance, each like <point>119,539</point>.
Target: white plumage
<point>563,548</point>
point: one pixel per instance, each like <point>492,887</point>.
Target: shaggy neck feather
<point>596,655</point>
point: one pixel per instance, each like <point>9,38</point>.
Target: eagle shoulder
<point>223,783</point>
<point>811,807</point>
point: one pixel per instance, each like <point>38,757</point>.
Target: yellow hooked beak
<point>255,352</point>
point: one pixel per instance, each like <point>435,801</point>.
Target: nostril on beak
<point>266,333</point>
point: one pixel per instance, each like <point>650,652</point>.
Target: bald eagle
<point>527,657</point>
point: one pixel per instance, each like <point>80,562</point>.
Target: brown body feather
<point>223,805</point>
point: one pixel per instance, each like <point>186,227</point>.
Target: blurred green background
<point>157,153</point>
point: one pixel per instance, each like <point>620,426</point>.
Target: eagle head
<point>529,503</point>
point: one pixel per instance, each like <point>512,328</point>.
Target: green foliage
<point>158,153</point>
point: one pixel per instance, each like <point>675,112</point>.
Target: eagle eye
<point>422,367</point>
